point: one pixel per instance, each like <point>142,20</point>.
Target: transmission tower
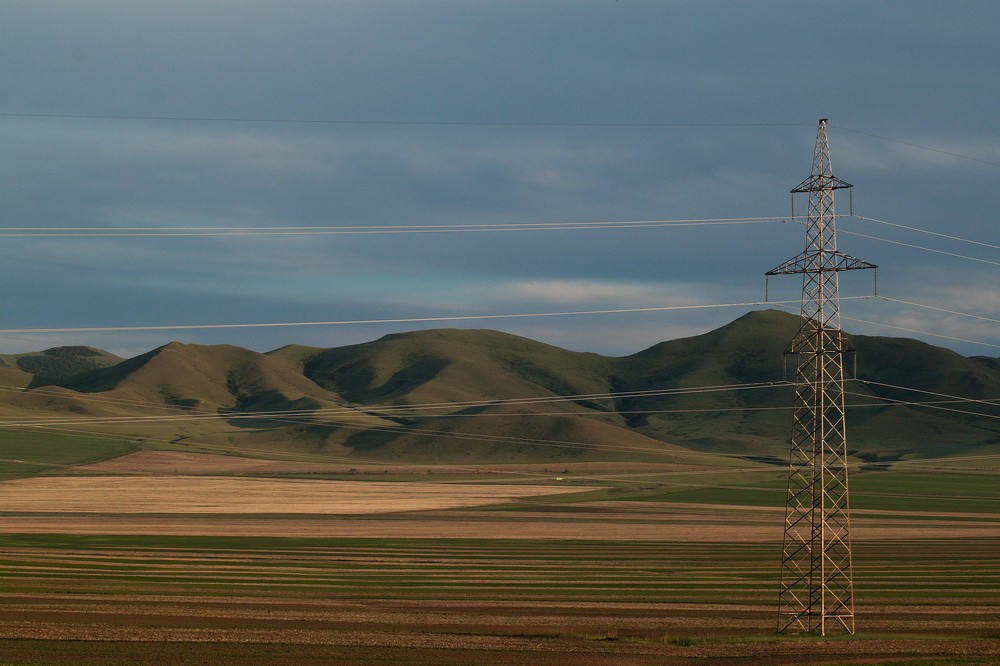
<point>817,588</point>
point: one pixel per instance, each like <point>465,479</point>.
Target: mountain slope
<point>58,363</point>
<point>483,395</point>
<point>213,377</point>
<point>454,365</point>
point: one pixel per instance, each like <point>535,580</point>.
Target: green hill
<point>219,377</point>
<point>58,363</point>
<point>455,365</point>
<point>478,395</point>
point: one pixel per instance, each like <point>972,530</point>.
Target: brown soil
<point>437,631</point>
<point>227,495</point>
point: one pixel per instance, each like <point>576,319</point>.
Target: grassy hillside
<point>747,351</point>
<point>477,395</point>
<point>454,365</point>
<point>58,363</point>
<point>199,377</point>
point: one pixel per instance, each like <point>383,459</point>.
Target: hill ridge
<point>357,400</point>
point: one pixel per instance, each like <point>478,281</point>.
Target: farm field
<point>604,566</point>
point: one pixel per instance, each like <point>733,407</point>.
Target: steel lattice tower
<point>817,588</point>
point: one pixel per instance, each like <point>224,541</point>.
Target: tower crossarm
<point>813,261</point>
<point>819,182</point>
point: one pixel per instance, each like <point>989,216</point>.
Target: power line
<point>401,320</point>
<point>949,459</point>
<point>930,405</point>
<point>116,232</point>
<point>411,410</point>
<point>917,145</point>
<point>383,411</point>
<point>925,231</point>
<point>260,120</point>
<point>989,401</point>
<point>779,304</point>
<point>915,330</point>
<point>921,247</point>
<point>937,309</point>
<point>705,410</point>
<point>687,390</point>
<point>776,304</point>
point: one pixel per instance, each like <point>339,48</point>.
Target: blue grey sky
<point>250,113</point>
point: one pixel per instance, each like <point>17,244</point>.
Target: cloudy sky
<point>222,114</point>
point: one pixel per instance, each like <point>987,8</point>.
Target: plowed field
<point>163,569</point>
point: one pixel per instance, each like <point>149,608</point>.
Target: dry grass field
<point>139,561</point>
<point>226,495</point>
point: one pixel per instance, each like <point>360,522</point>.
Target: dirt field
<point>227,495</point>
<point>131,562</point>
<point>419,601</point>
<point>232,506</point>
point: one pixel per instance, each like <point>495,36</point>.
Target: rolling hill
<point>478,395</point>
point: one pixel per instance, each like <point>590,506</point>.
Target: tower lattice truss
<point>817,588</point>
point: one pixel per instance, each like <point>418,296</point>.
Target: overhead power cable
<point>942,464</point>
<point>686,390</point>
<point>410,410</point>
<point>937,309</point>
<point>413,410</point>
<point>401,320</point>
<point>925,231</point>
<point>333,230</point>
<point>917,145</point>
<point>381,411</point>
<point>930,405</point>
<point>988,401</point>
<point>349,322</point>
<point>261,120</point>
<point>780,304</point>
<point>916,330</point>
<point>704,410</point>
<point>921,247</point>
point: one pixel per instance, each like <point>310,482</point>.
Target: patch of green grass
<point>890,490</point>
<point>24,453</point>
<point>931,491</point>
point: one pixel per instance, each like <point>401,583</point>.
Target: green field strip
<point>885,565</point>
<point>25,453</point>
